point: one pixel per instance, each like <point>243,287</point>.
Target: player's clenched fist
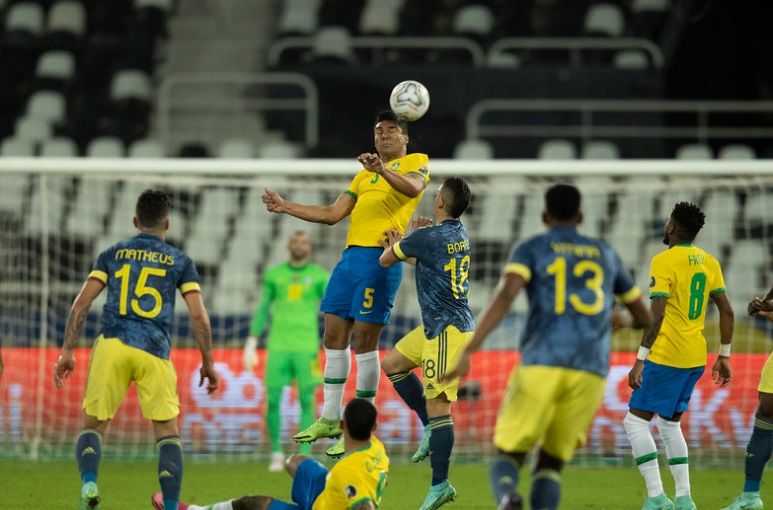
<point>64,367</point>
<point>274,203</point>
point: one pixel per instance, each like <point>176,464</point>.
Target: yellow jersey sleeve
<point>660,277</point>
<point>379,206</point>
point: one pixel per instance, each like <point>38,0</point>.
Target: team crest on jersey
<point>652,281</point>
<point>350,491</point>
<point>395,166</point>
<point>424,170</point>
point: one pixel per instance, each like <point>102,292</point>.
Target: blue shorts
<point>665,390</point>
<point>360,289</point>
<point>308,484</point>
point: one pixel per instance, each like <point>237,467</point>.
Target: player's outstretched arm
<point>657,311</point>
<point>505,293</point>
<point>202,332</point>
<point>78,313</point>
<point>389,258</point>
<point>721,372</point>
<point>410,185</point>
<point>327,214</point>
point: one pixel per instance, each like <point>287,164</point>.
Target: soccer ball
<point>409,100</point>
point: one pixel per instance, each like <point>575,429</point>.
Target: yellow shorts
<point>114,365</point>
<point>766,376</point>
<point>553,406</point>
<point>435,357</point>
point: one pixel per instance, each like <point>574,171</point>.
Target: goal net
<point>56,216</point>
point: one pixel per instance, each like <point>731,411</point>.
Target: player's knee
<point>251,503</point>
<point>765,409</point>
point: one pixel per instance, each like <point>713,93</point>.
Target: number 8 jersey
<point>686,276</point>
<point>571,281</point>
<point>142,275</point>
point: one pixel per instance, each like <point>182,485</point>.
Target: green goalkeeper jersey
<point>291,296</point>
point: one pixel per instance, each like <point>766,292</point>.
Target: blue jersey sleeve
<point>415,245</point>
<point>521,261</point>
<point>189,278</point>
<point>100,271</point>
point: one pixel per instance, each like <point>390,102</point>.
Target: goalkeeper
<point>292,291</point>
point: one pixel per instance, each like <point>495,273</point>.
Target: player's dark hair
<point>390,115</point>
<point>457,194</point>
<point>360,418</point>
<point>562,201</point>
<point>688,218</point>
<point>153,208</point>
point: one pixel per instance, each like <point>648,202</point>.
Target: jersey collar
<point>150,236</point>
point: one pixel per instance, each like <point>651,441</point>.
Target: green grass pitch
<point>128,485</point>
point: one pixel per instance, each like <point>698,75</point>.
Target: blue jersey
<point>571,280</point>
<point>443,262</point>
<point>142,275</point>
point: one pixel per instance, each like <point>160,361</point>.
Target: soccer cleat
<point>89,496</point>
<point>319,429</point>
<point>336,450</point>
<point>277,463</point>
<point>747,501</point>
<point>439,495</point>
<point>423,450</point>
<point>157,500</point>
<point>684,503</point>
<point>659,502</point>
<point>512,501</point>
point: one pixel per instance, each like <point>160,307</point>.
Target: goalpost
<point>57,215</point>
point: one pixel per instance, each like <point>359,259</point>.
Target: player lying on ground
<point>356,482</point>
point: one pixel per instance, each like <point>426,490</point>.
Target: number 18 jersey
<point>142,275</point>
<point>686,276</point>
<point>571,281</point>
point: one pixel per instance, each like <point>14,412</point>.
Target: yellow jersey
<point>359,476</point>
<point>379,206</point>
<point>687,276</point>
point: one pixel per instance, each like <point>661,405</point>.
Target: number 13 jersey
<point>142,275</point>
<point>686,276</point>
<point>571,281</point>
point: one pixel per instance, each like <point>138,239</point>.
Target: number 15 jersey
<point>142,275</point>
<point>571,281</point>
<point>686,276</point>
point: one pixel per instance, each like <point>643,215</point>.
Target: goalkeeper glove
<point>251,353</point>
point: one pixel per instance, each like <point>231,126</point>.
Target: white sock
<point>338,364</point>
<point>225,505</point>
<point>368,375</point>
<point>676,451</point>
<point>645,452</point>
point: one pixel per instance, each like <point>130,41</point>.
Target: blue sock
<point>409,387</point>
<point>545,489</point>
<point>88,452</point>
<point>757,453</point>
<point>170,470</point>
<point>441,442</point>
<point>503,476</point>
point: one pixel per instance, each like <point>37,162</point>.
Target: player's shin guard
<point>644,452</point>
<point>676,451</point>
<point>170,470</point>
<point>409,387</point>
<point>88,452</point>
<point>338,364</point>
<point>503,475</point>
<point>758,453</point>
<point>441,443</point>
<point>368,375</point>
<point>273,419</point>
<point>545,489</point>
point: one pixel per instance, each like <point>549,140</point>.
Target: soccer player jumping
<point>359,297</point>
<point>672,356</point>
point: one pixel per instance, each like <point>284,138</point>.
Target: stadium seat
<point>55,70</point>
<point>605,20</point>
<point>20,41</point>
<point>105,147</point>
<point>333,45</point>
<point>474,149</point>
<point>32,129</point>
<point>736,151</point>
<point>498,211</point>
<point>130,84</point>
<point>58,148</point>
<point>15,188</point>
<point>381,17</point>
<point>236,148</point>
<point>279,150</point>
<point>25,17</point>
<point>298,18</point>
<point>696,151</point>
<point>630,59</point>
<point>599,149</point>
<point>17,147</point>
<point>47,105</point>
<point>90,207</point>
<point>66,25</point>
<point>475,21</point>
<point>147,148</point>
<point>557,149</point>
